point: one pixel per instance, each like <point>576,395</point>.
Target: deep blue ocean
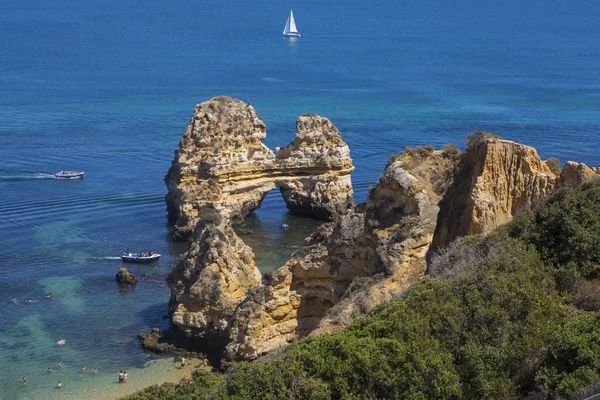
<point>108,88</point>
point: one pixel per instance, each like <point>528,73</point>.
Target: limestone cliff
<point>211,279</point>
<point>223,164</point>
<point>495,179</point>
<point>345,269</point>
<point>320,153</point>
<point>574,174</point>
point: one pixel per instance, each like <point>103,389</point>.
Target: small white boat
<point>290,29</point>
<point>140,258</point>
<point>69,175</point>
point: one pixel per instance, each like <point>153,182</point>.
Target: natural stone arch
<point>222,163</point>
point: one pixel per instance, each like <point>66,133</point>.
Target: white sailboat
<point>290,29</point>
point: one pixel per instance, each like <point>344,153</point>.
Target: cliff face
<point>211,279</point>
<point>345,269</point>
<point>320,152</point>
<point>495,179</point>
<point>574,174</point>
<point>223,164</point>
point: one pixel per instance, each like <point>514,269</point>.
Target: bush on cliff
<point>565,230</point>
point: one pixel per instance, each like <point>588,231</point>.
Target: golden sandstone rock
<point>367,255</point>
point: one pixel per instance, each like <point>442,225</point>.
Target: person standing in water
<point>121,377</point>
<point>59,385</point>
<point>125,377</point>
<point>24,379</point>
<point>83,368</point>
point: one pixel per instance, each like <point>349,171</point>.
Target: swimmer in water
<point>14,300</point>
<point>24,379</point>
<point>28,301</point>
<point>48,370</point>
<point>59,364</point>
<point>61,341</point>
<point>84,368</point>
<point>95,370</point>
<point>49,295</point>
<point>59,385</point>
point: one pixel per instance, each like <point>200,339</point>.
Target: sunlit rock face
<point>223,164</point>
<point>496,178</point>
<point>220,174</point>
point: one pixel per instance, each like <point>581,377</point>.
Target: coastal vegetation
<point>511,314</point>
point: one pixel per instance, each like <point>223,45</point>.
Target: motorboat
<point>140,257</point>
<point>69,174</point>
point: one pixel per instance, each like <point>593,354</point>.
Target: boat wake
<point>24,176</point>
<point>109,258</point>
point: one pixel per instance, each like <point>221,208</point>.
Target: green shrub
<point>565,230</point>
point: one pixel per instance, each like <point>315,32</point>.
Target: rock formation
<point>125,277</point>
<point>574,174</point>
<point>367,255</point>
<point>319,153</point>
<point>223,164</point>
<point>220,174</point>
<point>345,269</point>
<point>495,179</point>
<point>211,279</point>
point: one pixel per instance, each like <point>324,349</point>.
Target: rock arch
<point>223,164</point>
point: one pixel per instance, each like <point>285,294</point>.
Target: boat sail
<point>290,29</point>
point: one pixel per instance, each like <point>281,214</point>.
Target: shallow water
<point>109,88</point>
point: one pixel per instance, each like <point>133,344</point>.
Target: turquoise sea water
<point>109,87</point>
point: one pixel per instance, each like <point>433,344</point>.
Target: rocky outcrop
<point>574,174</point>
<point>223,164</point>
<point>220,174</point>
<point>211,279</point>
<point>345,269</point>
<point>319,153</point>
<point>125,277</point>
<point>495,179</point>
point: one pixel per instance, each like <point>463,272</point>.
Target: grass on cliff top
<point>500,318</point>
